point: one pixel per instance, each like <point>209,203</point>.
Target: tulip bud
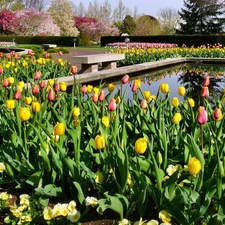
<point>201,116</point>
<point>125,79</point>
<point>59,129</point>
<point>159,158</point>
<point>194,166</point>
<point>144,104</point>
<point>112,104</point>
<point>73,70</point>
<point>141,145</point>
<point>204,92</point>
<point>84,89</point>
<point>101,96</point>
<point>100,142</point>
<point>217,114</point>
<point>134,87</point>
<point>17,95</point>
<point>35,89</point>
<point>95,98</point>
<point>37,75</point>
<point>76,112</point>
<point>181,90</point>
<point>51,95</point>
<point>206,81</point>
<point>105,121</point>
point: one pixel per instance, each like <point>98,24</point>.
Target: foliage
<point>128,25</point>
<point>61,12</point>
<point>6,19</point>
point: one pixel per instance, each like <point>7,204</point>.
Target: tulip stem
<point>202,140</point>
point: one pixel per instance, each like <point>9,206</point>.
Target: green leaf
<point>50,190</point>
<point>80,194</point>
<point>35,179</point>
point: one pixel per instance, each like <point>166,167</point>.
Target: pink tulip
<point>56,87</point>
<point>206,81</point>
<point>84,89</point>
<point>201,116</point>
<point>101,96</point>
<point>5,83</point>
<point>35,89</point>
<point>144,104</point>
<point>37,75</point>
<point>51,95</point>
<point>42,84</point>
<point>135,87</point>
<point>205,92</point>
<point>95,98</point>
<point>217,114</point>
<point>112,104</point>
<point>1,70</point>
<point>17,95</point>
<point>73,69</point>
<point>125,79</point>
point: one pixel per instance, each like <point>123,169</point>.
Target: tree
<point>128,25</point>
<point>80,11</point>
<point>62,13</point>
<point>120,12</point>
<point>6,19</point>
<point>147,25</point>
<point>168,19</point>
<point>201,17</point>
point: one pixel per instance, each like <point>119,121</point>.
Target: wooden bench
<point>47,46</point>
<point>90,63</point>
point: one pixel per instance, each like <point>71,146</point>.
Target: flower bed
<point>69,154</point>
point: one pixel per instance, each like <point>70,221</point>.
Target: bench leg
<point>108,65</point>
<point>87,68</point>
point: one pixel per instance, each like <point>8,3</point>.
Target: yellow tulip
<point>59,129</point>
<point>76,111</point>
<point>194,166</point>
<point>89,88</point>
<point>76,122</point>
<point>176,118</point>
<point>100,142</point>
<point>36,107</point>
<point>51,82</point>
<point>24,113</point>
<point>10,104</point>
<point>11,80</point>
<point>62,86</point>
<point>191,102</point>
<point>95,90</point>
<point>21,84</point>
<point>181,90</point>
<point>175,102</point>
<point>141,145</point>
<point>146,94</point>
<point>105,121</point>
<point>111,87</point>
<point>27,100</point>
<point>164,87</point>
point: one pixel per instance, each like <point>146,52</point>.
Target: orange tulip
<point>206,81</point>
<point>205,92</point>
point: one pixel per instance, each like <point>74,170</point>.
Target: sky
<point>149,7</point>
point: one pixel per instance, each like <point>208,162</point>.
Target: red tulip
<point>125,79</point>
<point>206,81</point>
<point>51,95</point>
<point>35,89</point>
<point>95,98</point>
<point>112,104</point>
<point>17,95</point>
<point>217,114</point>
<point>201,116</point>
<point>205,91</point>
<point>101,96</point>
<point>73,69</point>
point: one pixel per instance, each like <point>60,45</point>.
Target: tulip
<point>201,116</point>
<point>204,92</point>
<point>76,112</point>
<point>118,99</point>
<point>95,90</point>
<point>94,98</point>
<point>51,82</point>
<point>112,105</point>
<point>144,104</point>
<point>59,129</point>
<point>84,89</point>
<point>111,87</point>
<point>63,86</point>
<point>164,87</point>
<point>134,87</point>
<point>177,118</point>
<point>24,113</point>
<point>35,89</point>
<point>217,114</point>
<point>42,84</point>
<point>37,75</point>
<point>56,87</point>
<point>89,88</point>
<point>125,79</point>
<point>164,216</point>
<point>141,145</point>
<point>27,100</point>
<point>146,94</point>
<point>5,83</point>
<point>100,142</point>
<point>181,90</point>
<point>11,80</point>
<point>17,95</point>
<point>51,95</point>
<point>206,81</point>
<point>101,96</point>
<point>191,102</point>
<point>1,70</point>
<point>36,107</point>
<point>73,70</point>
<point>21,84</point>
<point>194,166</point>
<point>99,177</point>
<point>105,121</point>
<point>138,82</point>
<point>10,104</point>
<point>76,122</point>
<point>175,102</point>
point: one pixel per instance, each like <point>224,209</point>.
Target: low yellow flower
<point>63,86</point>
<point>194,166</point>
<point>105,121</point>
<point>4,196</point>
<point>2,167</point>
<point>47,213</point>
<point>59,129</point>
<point>72,205</point>
<point>164,216</point>
<point>91,201</point>
<point>99,177</point>
<point>181,90</point>
<point>24,113</point>
<point>36,107</point>
<point>164,88</point>
<point>111,87</point>
<point>73,216</point>
<point>176,118</point>
<point>10,104</point>
<point>100,142</point>
<point>141,145</point>
<point>76,111</point>
<point>175,102</point>
<point>27,100</point>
